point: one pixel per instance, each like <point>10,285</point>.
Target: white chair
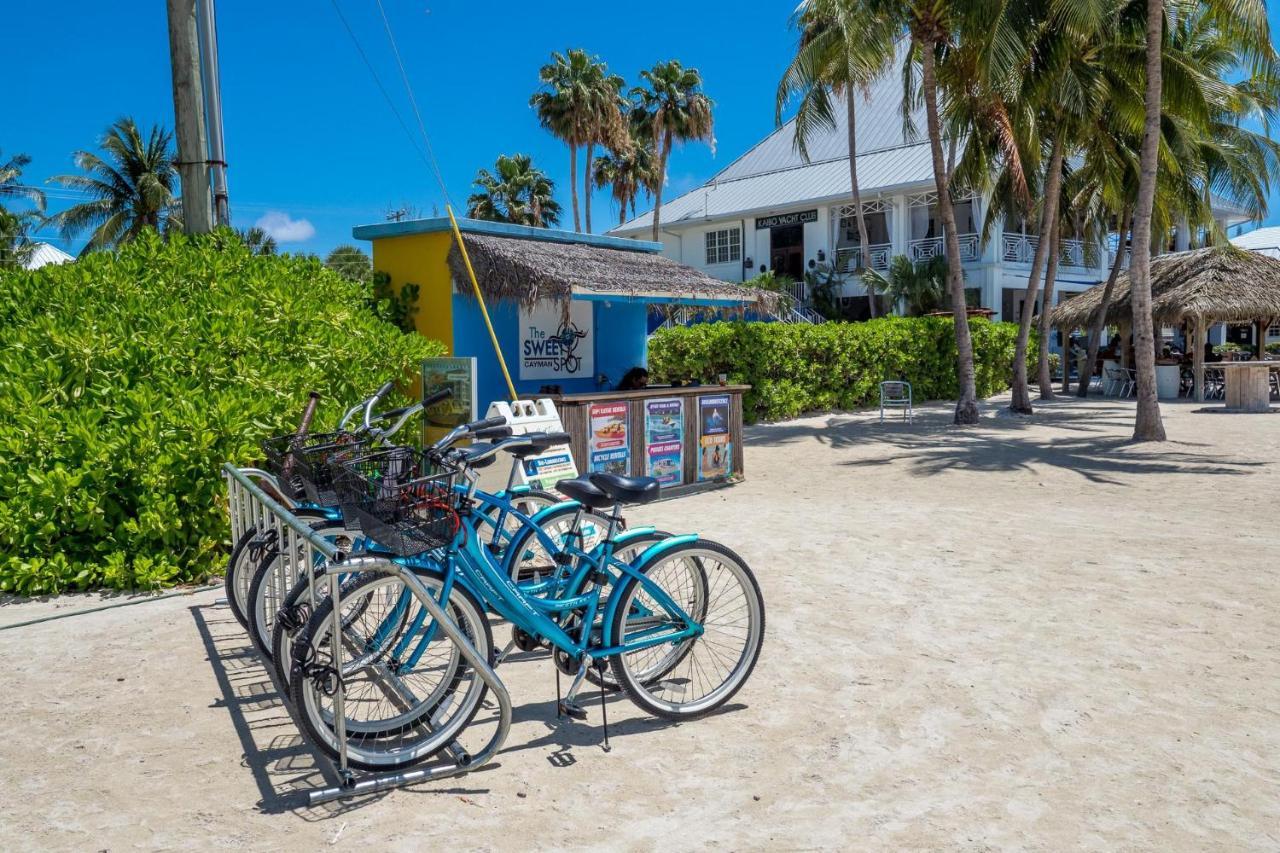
<point>896,394</point>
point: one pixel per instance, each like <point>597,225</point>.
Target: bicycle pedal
<point>572,709</point>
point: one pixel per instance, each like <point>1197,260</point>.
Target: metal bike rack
<point>250,506</point>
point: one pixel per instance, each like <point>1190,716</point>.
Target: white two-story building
<point>772,209</point>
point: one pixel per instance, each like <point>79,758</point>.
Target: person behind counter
<point>635,379</point>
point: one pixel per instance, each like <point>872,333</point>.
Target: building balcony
<point>927,248</point>
<point>849,259</point>
<point>1021,249</point>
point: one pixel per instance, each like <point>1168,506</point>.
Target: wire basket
<point>398,500</point>
<point>310,462</point>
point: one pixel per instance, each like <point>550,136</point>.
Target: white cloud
<point>284,228</point>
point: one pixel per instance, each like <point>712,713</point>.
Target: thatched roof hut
<point>527,271</point>
<point>1212,285</point>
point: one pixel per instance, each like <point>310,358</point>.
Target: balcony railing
<point>928,248</point>
<point>1021,249</point>
<point>849,258</point>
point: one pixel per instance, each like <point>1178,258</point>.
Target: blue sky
<point>313,145</point>
<point>310,137</point>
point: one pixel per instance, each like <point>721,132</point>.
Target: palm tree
<point>15,226</point>
<point>580,103</point>
<point>132,187</point>
<point>628,171</point>
<point>517,192</point>
<point>607,125</point>
<point>920,288</point>
<point>676,110</point>
<point>350,262</point>
<point>843,46</point>
<point>259,242</point>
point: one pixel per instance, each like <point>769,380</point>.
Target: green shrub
<point>129,378</point>
<point>797,368</point>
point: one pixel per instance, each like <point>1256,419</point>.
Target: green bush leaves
<point>797,368</point>
<point>127,379</point>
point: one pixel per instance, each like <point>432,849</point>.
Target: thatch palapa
<point>528,271</point>
<point>1216,284</point>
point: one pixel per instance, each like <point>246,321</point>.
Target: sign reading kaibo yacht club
<point>786,219</point>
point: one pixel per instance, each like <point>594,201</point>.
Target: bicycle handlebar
<point>373,401</point>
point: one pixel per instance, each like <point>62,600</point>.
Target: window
<point>1274,331</point>
<point>724,246</point>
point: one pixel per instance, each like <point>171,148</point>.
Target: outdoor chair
<point>1117,382</point>
<point>896,394</point>
<point>1214,384</point>
<point>1274,376</point>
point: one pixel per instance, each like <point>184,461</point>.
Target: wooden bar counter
<point>689,438</point>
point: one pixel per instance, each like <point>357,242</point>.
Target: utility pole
<point>208,27</point>
<point>188,110</point>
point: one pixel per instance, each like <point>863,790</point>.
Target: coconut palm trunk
<point>967,405</point>
<point>863,242</point>
<point>1148,425</point>
<point>1021,398</point>
<point>664,149</point>
<point>573,184</point>
<point>586,187</point>
<point>1100,318</point>
<point>1046,313</point>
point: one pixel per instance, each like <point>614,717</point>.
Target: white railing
<point>799,292</point>
<point>1124,264</point>
<point>849,258</point>
<point>928,248</point>
<point>1019,248</point>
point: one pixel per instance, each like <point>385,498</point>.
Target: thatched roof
<point>527,271</point>
<point>1217,284</point>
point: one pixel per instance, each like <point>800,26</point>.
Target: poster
<point>543,472</point>
<point>553,346</point>
<point>715,450</point>
<point>609,447</point>
<point>664,440</point>
<point>459,376</point>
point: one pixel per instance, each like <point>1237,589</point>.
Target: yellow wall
<point>423,260</point>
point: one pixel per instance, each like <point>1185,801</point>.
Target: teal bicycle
<point>679,626</point>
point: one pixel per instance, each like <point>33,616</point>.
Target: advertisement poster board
<point>553,346</point>
<point>715,451</point>
<point>663,444</point>
<point>547,469</point>
<point>609,447</point>
<point>523,416</point>
<point>459,376</point>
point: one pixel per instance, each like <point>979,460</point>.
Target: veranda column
<point>1199,332</point>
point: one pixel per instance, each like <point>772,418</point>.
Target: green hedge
<point>798,368</point>
<point>129,378</point>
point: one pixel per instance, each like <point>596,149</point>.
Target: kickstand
<point>604,716</point>
<point>557,693</point>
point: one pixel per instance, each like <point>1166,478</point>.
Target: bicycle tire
<point>259,613</point>
<point>639,691</point>
<point>362,748</point>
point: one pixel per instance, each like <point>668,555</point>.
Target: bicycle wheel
<point>531,558</point>
<point>626,554</point>
<point>689,678</point>
<point>293,616</point>
<point>396,715</point>
<point>242,565</point>
<point>272,580</point>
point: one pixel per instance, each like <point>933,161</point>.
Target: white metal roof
<point>43,254</point>
<point>772,174</point>
<point>1263,240</point>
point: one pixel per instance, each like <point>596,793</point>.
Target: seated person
<point>635,379</point>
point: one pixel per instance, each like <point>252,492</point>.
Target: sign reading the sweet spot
<point>553,347</point>
<point>786,219</point>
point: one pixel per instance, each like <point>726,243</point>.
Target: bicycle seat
<point>538,442</point>
<point>627,490</point>
<point>582,490</point>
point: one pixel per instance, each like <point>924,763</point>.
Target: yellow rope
<point>466,259</point>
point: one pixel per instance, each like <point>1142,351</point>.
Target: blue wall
<point>621,343</point>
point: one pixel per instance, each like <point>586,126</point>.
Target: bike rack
<point>250,506</point>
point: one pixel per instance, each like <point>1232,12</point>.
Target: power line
<point>413,101</point>
<point>378,81</point>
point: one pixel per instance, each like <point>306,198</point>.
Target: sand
<point>1025,635</point>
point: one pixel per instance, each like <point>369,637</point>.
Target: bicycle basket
<point>398,500</point>
<point>309,462</point>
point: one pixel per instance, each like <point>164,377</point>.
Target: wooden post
<point>188,110</point>
<point>1260,332</point>
<point>1198,335</point>
<point>1124,345</point>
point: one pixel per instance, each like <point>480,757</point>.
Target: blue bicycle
<point>679,626</point>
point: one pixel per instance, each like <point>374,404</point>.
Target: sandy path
<point>1027,635</point>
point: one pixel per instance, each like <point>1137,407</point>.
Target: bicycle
<point>658,650</point>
